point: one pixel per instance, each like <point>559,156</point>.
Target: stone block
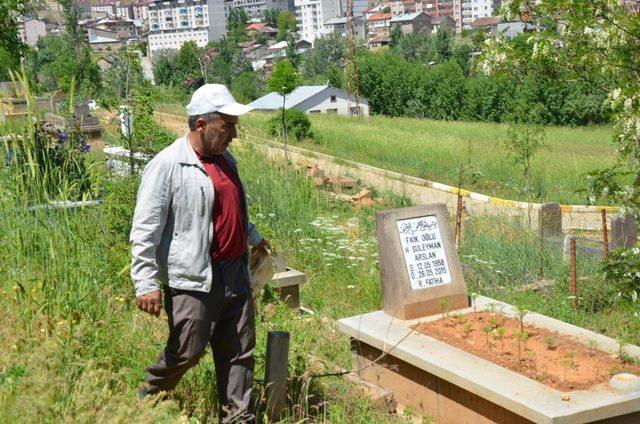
<point>363,194</point>
<point>550,218</point>
<point>344,182</point>
<point>624,231</point>
<point>419,264</point>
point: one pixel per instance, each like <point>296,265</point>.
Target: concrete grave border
<point>478,380</point>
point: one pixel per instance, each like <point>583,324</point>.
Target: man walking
<point>191,232</point>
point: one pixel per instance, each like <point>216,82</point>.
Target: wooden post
<point>541,225</point>
<point>458,219</point>
<point>574,280</point>
<point>605,235</point>
<point>276,372</point>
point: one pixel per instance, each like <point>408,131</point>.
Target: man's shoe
<point>145,390</point>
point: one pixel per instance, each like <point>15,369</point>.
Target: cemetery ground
<point>76,347</point>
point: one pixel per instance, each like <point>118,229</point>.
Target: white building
<point>141,10</point>
<point>173,22</point>
<point>312,14</point>
<point>470,10</point>
<point>256,8</point>
<point>31,30</point>
<point>314,99</point>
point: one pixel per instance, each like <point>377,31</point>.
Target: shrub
<point>622,271</point>
<point>296,124</point>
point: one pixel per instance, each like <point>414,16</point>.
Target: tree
<point>164,71</point>
<point>523,142</point>
<point>286,24</point>
<point>236,23</point>
<point>283,81</point>
<point>328,52</point>
<point>396,35</point>
<point>271,17</point>
<point>11,46</point>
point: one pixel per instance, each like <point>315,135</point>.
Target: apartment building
<point>173,22</point>
<point>256,8</point>
<point>432,8</point>
<point>141,10</point>
<point>312,14</point>
<point>470,10</point>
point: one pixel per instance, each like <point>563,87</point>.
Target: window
<point>314,111</point>
<point>332,111</point>
<point>333,99</point>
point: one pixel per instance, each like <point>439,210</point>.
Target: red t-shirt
<point>229,239</point>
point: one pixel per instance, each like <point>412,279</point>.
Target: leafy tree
<point>226,62</point>
<point>440,47</point>
<point>396,35</point>
<point>188,62</point>
<point>414,47</point>
<point>236,23</point>
<point>329,52</point>
<point>600,44</point>
<point>164,71</point>
<point>11,46</point>
<point>286,24</point>
<point>271,17</point>
<point>283,81</point>
<point>246,87</point>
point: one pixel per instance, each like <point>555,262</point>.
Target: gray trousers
<point>223,318</point>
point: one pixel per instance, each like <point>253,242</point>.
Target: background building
<point>314,99</point>
<point>470,10</point>
<point>256,8</point>
<point>173,22</point>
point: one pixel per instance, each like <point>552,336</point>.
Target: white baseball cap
<point>215,98</point>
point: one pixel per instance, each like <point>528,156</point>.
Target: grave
<point>419,265</point>
<point>451,384</point>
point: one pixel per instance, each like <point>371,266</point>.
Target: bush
<point>622,272</point>
<point>296,123</point>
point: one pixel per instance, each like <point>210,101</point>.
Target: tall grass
<point>434,149</point>
<point>74,345</point>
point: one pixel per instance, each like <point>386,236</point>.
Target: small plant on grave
<point>521,337</point>
<point>499,334</point>
<point>593,347</point>
<point>486,330</point>
<point>493,322</point>
<point>568,363</point>
<point>521,312</point>
<point>458,320</point>
<point>468,329</point>
<point>445,305</point>
<point>551,342</point>
<point>531,356</point>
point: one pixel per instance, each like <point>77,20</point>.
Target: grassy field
<point>75,347</point>
<point>434,149</point>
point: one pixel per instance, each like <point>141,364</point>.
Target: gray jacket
<point>172,226</point>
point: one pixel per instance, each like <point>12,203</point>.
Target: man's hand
<point>263,247</point>
<point>150,303</point>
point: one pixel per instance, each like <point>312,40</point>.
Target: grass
<point>434,149</point>
<point>75,347</point>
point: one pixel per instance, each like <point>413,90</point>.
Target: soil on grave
<point>557,361</point>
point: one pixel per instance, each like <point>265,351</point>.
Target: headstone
<point>550,218</point>
<point>419,264</point>
<point>81,111</point>
<point>624,231</point>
